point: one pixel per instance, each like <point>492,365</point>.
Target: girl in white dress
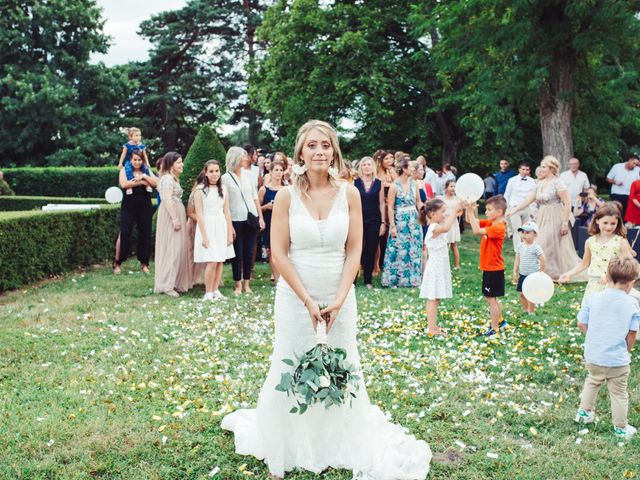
<point>316,242</point>
<point>213,242</point>
<point>436,279</point>
<point>453,204</point>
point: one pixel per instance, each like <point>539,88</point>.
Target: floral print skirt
<point>403,257</point>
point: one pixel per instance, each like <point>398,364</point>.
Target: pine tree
<point>206,146</point>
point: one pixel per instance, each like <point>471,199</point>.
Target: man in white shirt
<point>575,180</point>
<point>621,176</point>
<point>518,189</point>
<point>429,174</point>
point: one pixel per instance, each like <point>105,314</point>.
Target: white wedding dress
<point>357,437</point>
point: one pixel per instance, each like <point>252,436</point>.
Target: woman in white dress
<point>213,242</point>
<point>316,241</point>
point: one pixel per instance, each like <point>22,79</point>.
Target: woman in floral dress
<point>403,257</point>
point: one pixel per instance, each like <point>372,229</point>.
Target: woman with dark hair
<point>266,197</point>
<point>403,259</point>
<point>387,175</point>
<point>136,209</point>
<point>173,271</point>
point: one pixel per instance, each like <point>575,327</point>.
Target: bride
<point>316,242</point>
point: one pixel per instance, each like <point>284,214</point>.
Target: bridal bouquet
<point>322,375</point>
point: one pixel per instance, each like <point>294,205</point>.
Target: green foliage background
<point>88,182</point>
<point>461,82</point>
<point>33,247</point>
<point>205,147</point>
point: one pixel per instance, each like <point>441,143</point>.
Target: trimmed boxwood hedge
<point>17,202</point>
<point>82,182</point>
<point>40,245</point>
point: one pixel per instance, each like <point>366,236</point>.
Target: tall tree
<point>197,71</point>
<point>56,107</point>
<point>355,60</point>
<point>504,62</point>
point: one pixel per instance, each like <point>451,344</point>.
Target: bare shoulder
<point>283,197</point>
<point>352,192</point>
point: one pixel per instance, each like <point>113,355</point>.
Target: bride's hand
<point>332,310</point>
<point>314,313</point>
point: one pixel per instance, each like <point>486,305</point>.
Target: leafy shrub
<point>37,246</point>
<point>82,182</point>
<point>17,202</point>
<point>205,147</point>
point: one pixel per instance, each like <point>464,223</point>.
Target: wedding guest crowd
<point>393,189</point>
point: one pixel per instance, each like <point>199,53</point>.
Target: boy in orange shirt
<point>493,231</point>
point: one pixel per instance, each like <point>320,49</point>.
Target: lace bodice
<point>547,191</point>
<point>168,183</point>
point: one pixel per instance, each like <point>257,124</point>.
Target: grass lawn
<point>100,378</point>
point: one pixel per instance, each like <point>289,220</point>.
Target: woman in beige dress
<point>197,269</point>
<point>173,267</point>
<point>554,209</point>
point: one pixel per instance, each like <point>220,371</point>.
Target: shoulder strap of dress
<point>294,198</point>
<point>342,192</point>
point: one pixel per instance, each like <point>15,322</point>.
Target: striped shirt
<point>529,258</point>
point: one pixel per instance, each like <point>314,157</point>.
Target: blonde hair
<point>234,157</point>
<point>301,182</point>
<point>552,163</point>
<point>373,164</point>
<point>132,130</point>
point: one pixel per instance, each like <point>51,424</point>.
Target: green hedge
<point>36,246</point>
<point>17,203</point>
<point>82,182</point>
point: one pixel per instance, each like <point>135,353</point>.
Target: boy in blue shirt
<point>610,321</point>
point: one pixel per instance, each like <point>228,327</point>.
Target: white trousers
<point>516,221</point>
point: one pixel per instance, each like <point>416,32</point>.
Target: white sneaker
<point>625,433</point>
<point>217,295</point>
<point>208,296</point>
<point>582,416</point>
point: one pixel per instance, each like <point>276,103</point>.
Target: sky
<point>122,20</point>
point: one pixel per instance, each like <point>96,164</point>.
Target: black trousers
<point>245,248</point>
<point>370,239</point>
<point>136,210</point>
<point>623,199</point>
<point>382,242</point>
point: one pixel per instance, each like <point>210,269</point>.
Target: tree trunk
<point>450,143</point>
<point>556,110</point>
<point>252,117</point>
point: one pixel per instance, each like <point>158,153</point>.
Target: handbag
<point>253,221</point>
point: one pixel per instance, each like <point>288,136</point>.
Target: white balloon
<point>538,287</point>
<point>113,195</point>
<point>469,187</point>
